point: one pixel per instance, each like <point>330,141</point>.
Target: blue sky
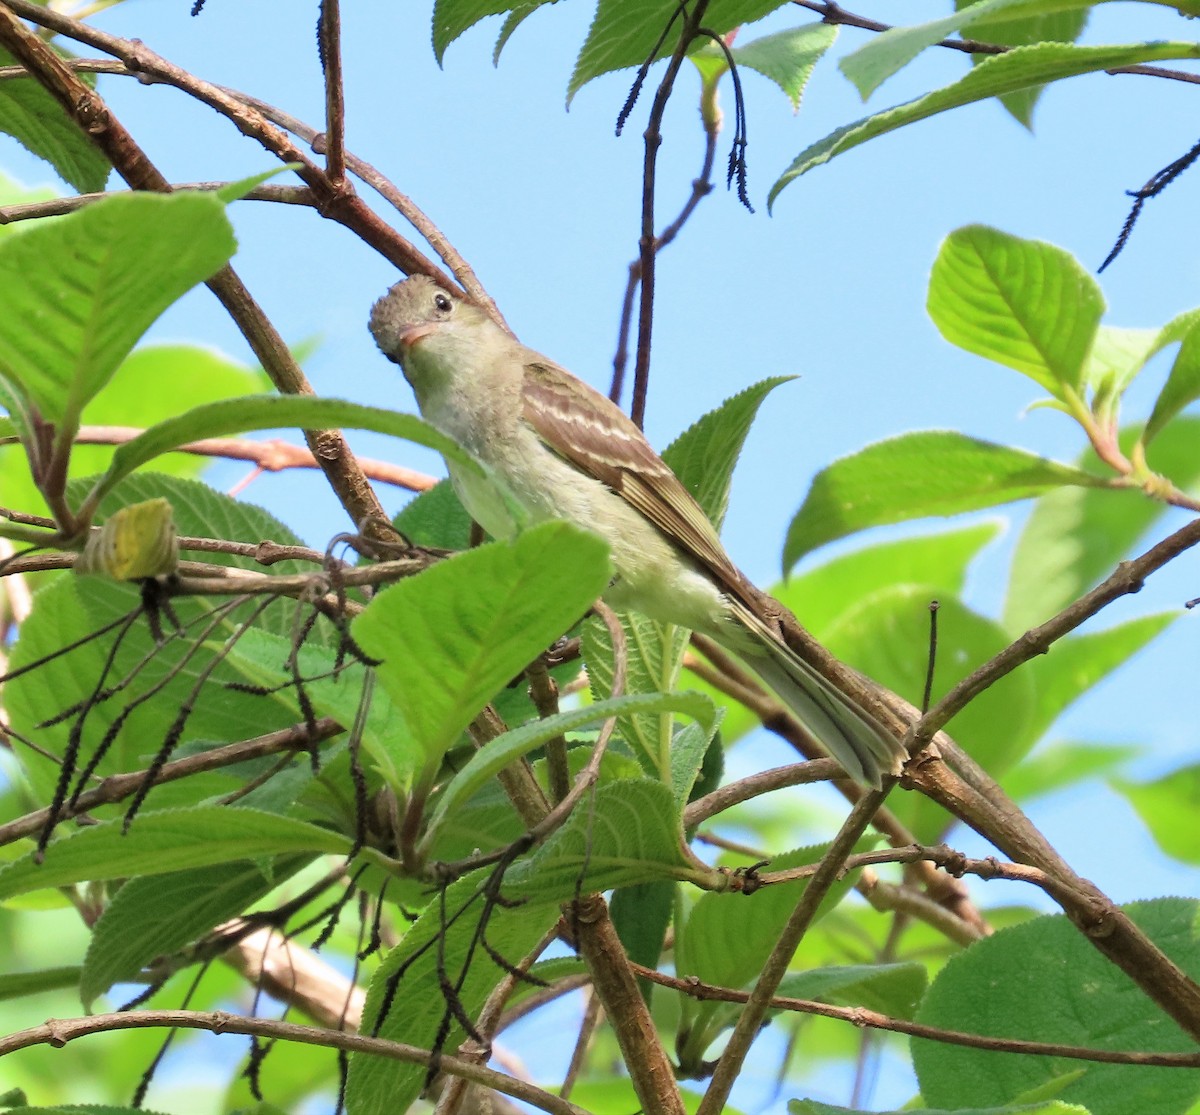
<point>544,203</point>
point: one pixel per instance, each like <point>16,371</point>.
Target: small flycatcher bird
<point>555,448</point>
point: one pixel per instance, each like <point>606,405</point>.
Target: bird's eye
<point>442,303</point>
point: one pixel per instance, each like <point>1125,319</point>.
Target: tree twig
<point>57,1032</point>
<point>861,1016</point>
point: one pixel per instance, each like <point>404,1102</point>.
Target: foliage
<point>227,744</point>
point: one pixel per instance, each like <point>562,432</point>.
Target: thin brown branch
<point>339,204</point>
<point>729,1065</point>
<point>1128,578</point>
<point>702,186</point>
<point>835,14</point>
<point>57,1032</point>
<point>860,1016</point>
<point>118,787</point>
<point>646,242</point>
<point>897,898</point>
<point>728,677</point>
<point>273,455</point>
<point>57,206</point>
<point>92,115</point>
<point>334,141</point>
<point>755,785</point>
<point>359,167</point>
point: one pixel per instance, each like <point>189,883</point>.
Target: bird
<point>551,447</point>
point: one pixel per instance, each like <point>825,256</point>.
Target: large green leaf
<point>1058,988</point>
<point>1168,807</point>
<point>653,652</point>
<point>727,938</point>
<point>512,745</point>
<point>266,412</point>
<point>410,979</point>
<point>166,841</point>
<point>628,834</point>
<point>934,472</point>
<point>883,55</point>
<point>1023,303</point>
<point>78,292</point>
<point>156,915</point>
<point>72,607</point>
<point>704,455</point>
<point>453,635</point>
<point>1075,536</point>
<point>1019,69</point>
<point>624,32</point>
<point>135,397</point>
<point>30,114</point>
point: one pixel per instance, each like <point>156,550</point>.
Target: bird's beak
<point>410,336</point>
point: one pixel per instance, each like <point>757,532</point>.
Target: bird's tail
<point>863,746</point>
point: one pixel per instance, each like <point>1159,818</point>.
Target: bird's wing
<point>593,434</point>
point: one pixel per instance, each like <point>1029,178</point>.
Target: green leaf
<point>156,916</point>
<point>786,58</point>
<point>728,937</point>
<point>134,397</point>
<point>885,54</point>
<point>79,291</point>
<point>893,989</point>
<point>1168,807</point>
<point>378,1086</point>
<point>1117,355</point>
<point>1061,765</point>
<point>819,596</point>
<point>704,455</point>
<point>456,633</point>
<point>1023,303</point>
<point>513,744</point>
<point>31,115</point>
<point>938,560</point>
<point>887,635</point>
<point>909,477</point>
<point>1019,69</point>
<point>1074,537</point>
<point>168,675</point>
<point>624,32</point>
<point>259,412</point>
<point>641,915</point>
<point>1182,387</point>
<point>1075,664</point>
<point>436,518</point>
<point>628,834</point>
<point>1058,988</point>
<point>1039,26</point>
<point>653,655</point>
<point>452,17</point>
<point>171,840</point>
